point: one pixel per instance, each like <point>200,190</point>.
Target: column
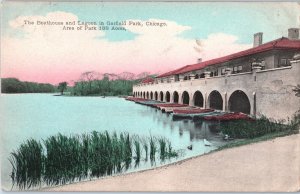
<point>253,107</point>
<point>171,98</point>
<point>191,103</point>
<point>225,103</point>
<point>180,98</point>
<point>256,66</point>
<point>205,100</point>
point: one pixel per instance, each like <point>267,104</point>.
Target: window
<point>216,73</point>
<point>283,62</point>
<point>240,68</point>
<point>235,69</point>
<point>223,71</point>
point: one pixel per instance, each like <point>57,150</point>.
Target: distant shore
<point>271,165</point>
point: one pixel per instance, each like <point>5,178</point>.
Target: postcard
<point>150,96</point>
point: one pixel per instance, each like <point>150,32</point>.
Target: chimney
<point>199,60</point>
<point>293,33</point>
<point>258,38</point>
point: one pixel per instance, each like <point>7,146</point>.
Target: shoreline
<point>195,178</point>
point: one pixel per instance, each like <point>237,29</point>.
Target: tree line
<point>94,84</point>
<point>13,85</point>
<point>89,84</point>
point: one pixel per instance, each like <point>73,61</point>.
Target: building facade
<point>257,81</point>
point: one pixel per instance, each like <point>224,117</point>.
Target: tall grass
<point>146,147</point>
<point>163,148</point>
<point>62,159</point>
<point>166,150</point>
<point>137,150</point>
<point>153,148</point>
<point>27,164</point>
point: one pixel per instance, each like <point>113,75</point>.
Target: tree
<point>62,86</point>
<point>89,77</point>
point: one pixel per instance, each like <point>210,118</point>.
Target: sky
<point>47,53</point>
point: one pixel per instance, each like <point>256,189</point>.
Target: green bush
<point>259,127</point>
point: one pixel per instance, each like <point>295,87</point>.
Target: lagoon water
<point>39,116</point>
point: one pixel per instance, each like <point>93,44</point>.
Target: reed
<point>163,148</point>
<point>27,164</point>
<point>146,147</point>
<point>153,148</point>
<point>171,153</point>
<point>64,159</point>
<point>166,150</point>
<point>137,149</point>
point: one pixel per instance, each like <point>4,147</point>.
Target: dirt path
<point>272,165</point>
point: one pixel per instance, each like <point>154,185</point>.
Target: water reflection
<point>197,129</point>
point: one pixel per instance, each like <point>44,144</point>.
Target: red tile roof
<point>281,43</point>
<point>148,80</point>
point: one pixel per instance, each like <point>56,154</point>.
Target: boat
<point>148,102</point>
<point>130,98</point>
<point>215,113</point>
<point>229,117</point>
<point>167,105</point>
<point>192,111</point>
<point>171,109</point>
<point>190,114</point>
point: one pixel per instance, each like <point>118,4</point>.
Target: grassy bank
<point>64,159</point>
<point>261,129</point>
<point>265,137</point>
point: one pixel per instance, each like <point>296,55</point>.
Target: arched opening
<point>186,77</point>
<point>197,76</point>
<point>239,102</point>
<point>215,100</point>
<point>168,96</point>
<point>147,95</point>
<point>175,97</point>
<point>198,99</point>
<point>156,96</point>
<point>151,95</point>
<point>144,95</point>
<point>134,94</point>
<point>202,75</point>
<point>185,97</point>
<point>161,94</point>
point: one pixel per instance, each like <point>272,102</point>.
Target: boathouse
<point>256,81</point>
